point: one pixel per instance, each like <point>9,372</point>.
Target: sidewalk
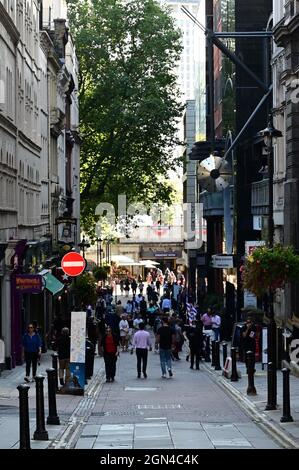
<point>286,433</point>
<point>9,404</point>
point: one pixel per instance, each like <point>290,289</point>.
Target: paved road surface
<point>186,411</point>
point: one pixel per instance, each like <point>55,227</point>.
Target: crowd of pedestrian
<point>162,305</point>
<point>161,316</point>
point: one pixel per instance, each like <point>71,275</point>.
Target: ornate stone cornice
<point>77,137</point>
<point>283,32</point>
<point>8,125</point>
<point>9,25</point>
<point>64,78</point>
<point>47,46</point>
<point>26,140</point>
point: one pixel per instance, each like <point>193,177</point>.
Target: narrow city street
<point>149,184</point>
<point>188,411</point>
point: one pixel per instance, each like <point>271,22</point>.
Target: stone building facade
<point>285,64</point>
<point>39,156</point>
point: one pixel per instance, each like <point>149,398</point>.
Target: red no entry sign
<point>73,264</point>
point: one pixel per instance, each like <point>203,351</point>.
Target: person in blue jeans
<point>216,324</point>
<point>32,347</point>
<point>166,340</point>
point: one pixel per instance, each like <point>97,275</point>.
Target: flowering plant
<point>269,269</point>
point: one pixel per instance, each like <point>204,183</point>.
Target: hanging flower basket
<point>269,269</point>
<point>101,272</point>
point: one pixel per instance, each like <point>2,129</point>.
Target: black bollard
<point>24,417</point>
<point>224,353</point>
<point>40,434</point>
<point>271,396</point>
<point>89,359</point>
<point>55,367</point>
<point>286,417</point>
<point>53,418</point>
<point>217,355</point>
<point>88,352</point>
<point>92,360</point>
<point>234,376</point>
<point>213,354</point>
<point>207,349</point>
<point>250,362</point>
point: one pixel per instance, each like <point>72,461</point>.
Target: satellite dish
<point>214,174</point>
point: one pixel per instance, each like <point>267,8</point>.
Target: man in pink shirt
<point>141,342</point>
<point>207,320</point>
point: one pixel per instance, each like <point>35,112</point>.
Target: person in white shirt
<point>216,323</point>
<point>142,342</point>
<point>124,332</point>
<point>137,321</point>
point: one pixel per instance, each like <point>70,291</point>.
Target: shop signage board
<point>250,299</point>
<point>222,261</point>
<point>78,338</point>
<point>265,346</point>
<point>29,283</point>
<point>170,254</point>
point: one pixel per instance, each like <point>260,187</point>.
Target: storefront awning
<point>52,283</point>
<point>122,260</point>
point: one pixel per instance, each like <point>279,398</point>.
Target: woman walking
<point>32,348</point>
<point>110,343</point>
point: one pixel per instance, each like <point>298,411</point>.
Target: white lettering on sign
<point>73,263</point>
<point>222,262</point>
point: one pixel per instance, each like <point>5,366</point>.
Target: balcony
<point>288,24</point>
<point>291,10</point>
<point>212,204</point>
<point>57,121</point>
<point>259,197</point>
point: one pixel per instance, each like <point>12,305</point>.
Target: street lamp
<point>108,241</point>
<point>99,251</point>
<point>83,245</point>
<point>270,134</point>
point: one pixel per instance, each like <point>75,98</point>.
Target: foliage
<point>129,103</point>
<point>100,273</point>
<point>119,271</point>
<point>257,314</point>
<point>213,300</point>
<point>269,269</point>
<point>84,289</point>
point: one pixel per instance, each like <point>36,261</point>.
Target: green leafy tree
<point>84,289</point>
<point>129,102</point>
<point>100,273</point>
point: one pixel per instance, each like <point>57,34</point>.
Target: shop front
<point>166,257</point>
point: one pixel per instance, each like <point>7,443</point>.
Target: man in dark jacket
<point>248,337</point>
<point>64,352</point>
<point>194,335</point>
<point>143,308</point>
